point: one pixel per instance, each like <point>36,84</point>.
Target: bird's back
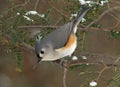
<point>59,37</point>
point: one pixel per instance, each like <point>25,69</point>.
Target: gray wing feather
<point>59,37</point>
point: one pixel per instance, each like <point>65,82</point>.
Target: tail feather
<point>81,14</point>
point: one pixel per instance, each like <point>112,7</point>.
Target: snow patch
<point>74,58</point>
<point>93,83</point>
<point>84,57</point>
<point>101,3</point>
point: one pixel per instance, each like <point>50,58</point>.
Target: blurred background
<point>101,41</point>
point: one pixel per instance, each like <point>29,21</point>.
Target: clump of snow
<point>87,64</point>
<point>117,32</point>
<point>31,13</point>
<point>83,20</point>
<point>41,15</point>
<point>73,15</point>
<point>34,13</point>
<point>101,3</point>
<point>18,13</point>
<point>84,57</point>
<point>91,3</point>
<point>27,18</point>
<point>74,58</point>
<point>93,83</point>
<point>82,2</point>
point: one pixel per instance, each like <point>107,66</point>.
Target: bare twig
<point>117,60</point>
<point>108,5</point>
<point>53,27</point>
<point>116,78</point>
<point>80,62</point>
<point>58,21</point>
<point>83,41</point>
<point>101,72</point>
<point>117,2</point>
<point>116,18</point>
<point>27,46</point>
<point>64,77</point>
<point>105,12</point>
<point>17,6</point>
<point>36,4</point>
<point>116,25</point>
<point>26,2</point>
<point>82,85</point>
<point>58,10</point>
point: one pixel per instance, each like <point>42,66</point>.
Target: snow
<point>87,64</point>
<point>73,15</point>
<point>34,13</point>
<point>93,83</point>
<point>74,58</point>
<point>41,15</point>
<point>82,2</point>
<point>83,20</point>
<point>84,57</point>
<point>117,32</point>
<point>18,13</point>
<point>102,2</point>
<point>27,18</point>
<point>31,13</point>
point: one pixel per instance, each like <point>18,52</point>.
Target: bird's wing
<point>59,37</point>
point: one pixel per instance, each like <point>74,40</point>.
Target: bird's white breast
<point>60,53</point>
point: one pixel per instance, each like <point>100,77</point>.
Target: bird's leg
<point>60,62</point>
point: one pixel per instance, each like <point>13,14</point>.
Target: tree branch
<point>36,4</point>
<point>58,10</point>
<point>54,27</point>
<point>64,76</point>
<point>105,12</point>
<point>35,26</point>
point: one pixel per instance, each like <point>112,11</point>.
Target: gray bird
<point>61,42</point>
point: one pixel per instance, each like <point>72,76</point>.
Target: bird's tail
<point>81,14</point>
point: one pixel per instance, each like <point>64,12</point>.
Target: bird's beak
<point>39,58</point>
<point>37,61</point>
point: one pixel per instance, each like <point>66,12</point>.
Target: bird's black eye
<point>42,52</point>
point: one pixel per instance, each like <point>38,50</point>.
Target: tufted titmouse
<point>61,42</point>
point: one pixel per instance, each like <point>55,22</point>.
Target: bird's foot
<point>61,62</point>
